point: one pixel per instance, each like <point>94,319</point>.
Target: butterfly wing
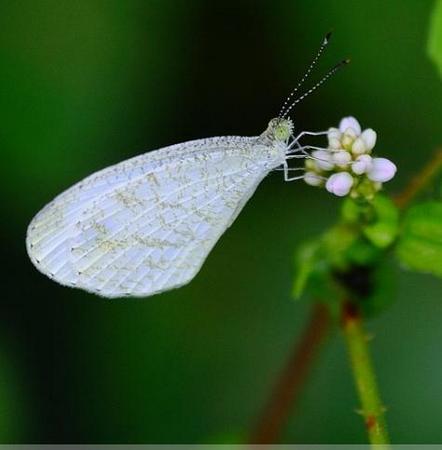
<point>147,224</point>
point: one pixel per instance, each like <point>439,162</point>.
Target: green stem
<point>373,410</point>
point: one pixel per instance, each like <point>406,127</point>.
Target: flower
<point>322,159</point>
<point>341,158</point>
<point>334,138</point>
<point>369,137</point>
<point>346,165</point>
<point>339,183</point>
<point>313,179</point>
<point>362,164</point>
<point>365,142</point>
<point>382,170</point>
<point>349,122</point>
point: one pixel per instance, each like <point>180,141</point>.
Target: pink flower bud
<point>382,169</point>
<point>323,159</point>
<point>358,147</point>
<point>313,179</point>
<point>369,137</point>
<point>350,122</point>
<point>339,184</point>
<point>334,133</point>
<point>334,144</point>
<point>341,157</point>
<point>362,164</point>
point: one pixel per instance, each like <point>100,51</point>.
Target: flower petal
<point>341,157</point>
<point>350,122</point>
<point>382,170</point>
<point>369,137</point>
<point>362,164</point>
<point>339,183</point>
<point>334,138</point>
<point>358,147</point>
<point>334,143</point>
<point>322,159</point>
<point>333,133</point>
<point>313,179</point>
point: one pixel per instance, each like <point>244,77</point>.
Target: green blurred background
<point>86,84</point>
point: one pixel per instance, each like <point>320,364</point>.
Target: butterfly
<point>147,224</point>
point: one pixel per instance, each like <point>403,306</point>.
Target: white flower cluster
<point>347,166</point>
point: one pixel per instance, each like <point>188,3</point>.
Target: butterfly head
<point>280,129</point>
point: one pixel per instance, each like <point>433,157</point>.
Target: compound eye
<point>282,132</point>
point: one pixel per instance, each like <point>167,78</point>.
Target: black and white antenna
<point>321,49</point>
<point>331,72</point>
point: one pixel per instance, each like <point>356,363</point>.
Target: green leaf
<point>336,243</point>
<point>420,244</point>
<point>383,229</point>
<point>305,260</point>
<point>350,210</point>
<point>362,253</point>
<point>434,48</point>
<point>314,274</point>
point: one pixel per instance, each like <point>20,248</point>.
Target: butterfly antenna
<point>324,44</point>
<point>331,72</point>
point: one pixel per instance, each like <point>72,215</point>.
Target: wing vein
<point>141,215</point>
<point>180,221</point>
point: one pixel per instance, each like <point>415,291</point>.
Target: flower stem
<point>293,377</point>
<point>422,179</point>
<point>373,410</point>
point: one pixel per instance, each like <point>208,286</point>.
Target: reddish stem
<point>422,179</point>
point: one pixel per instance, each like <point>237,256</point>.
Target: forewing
<point>147,224</point>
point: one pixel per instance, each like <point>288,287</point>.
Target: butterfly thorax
<point>274,142</point>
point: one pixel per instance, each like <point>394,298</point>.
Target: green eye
<point>279,129</point>
<point>282,132</point>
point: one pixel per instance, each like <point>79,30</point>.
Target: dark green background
<point>86,84</point>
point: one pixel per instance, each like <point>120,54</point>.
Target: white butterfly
<point>147,224</point>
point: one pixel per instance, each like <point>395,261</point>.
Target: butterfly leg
<point>287,169</point>
<point>306,133</point>
<point>303,154</point>
<point>303,150</point>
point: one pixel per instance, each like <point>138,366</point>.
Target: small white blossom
<point>369,137</point>
<point>339,183</point>
<point>341,158</point>
<point>323,159</point>
<point>350,122</point>
<point>358,147</point>
<point>362,164</point>
<point>334,133</point>
<point>348,139</point>
<point>334,138</point>
<point>346,163</point>
<point>313,179</point>
<point>334,143</point>
<point>382,170</point>
<point>364,143</point>
<point>351,133</point>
